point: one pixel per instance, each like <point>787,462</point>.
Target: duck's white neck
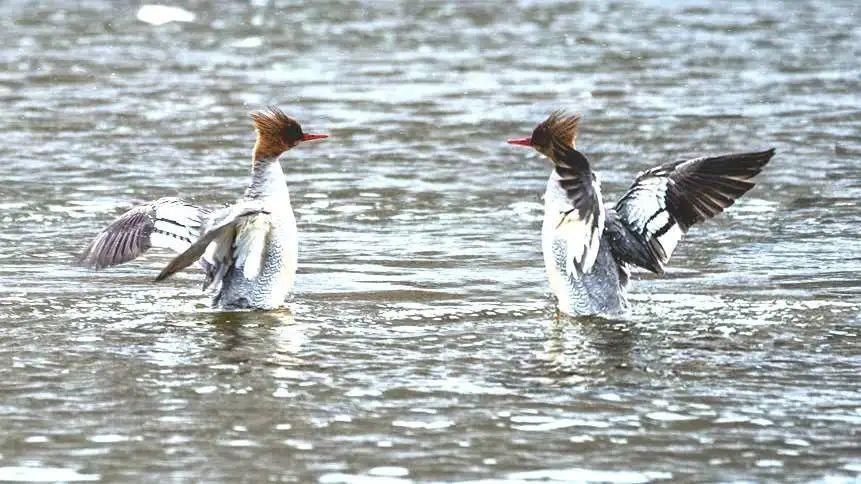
<point>267,180</point>
<point>554,195</point>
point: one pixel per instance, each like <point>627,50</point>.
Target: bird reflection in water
<point>589,346</point>
<point>247,335</point>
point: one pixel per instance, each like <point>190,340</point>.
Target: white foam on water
<point>577,474</point>
<point>424,425</point>
<point>44,474</point>
<point>247,43</point>
<point>162,14</point>
<point>544,424</point>
<point>299,444</point>
<point>669,417</point>
<point>108,438</point>
<point>238,443</point>
<point>361,392</point>
<point>341,478</point>
<point>389,471</point>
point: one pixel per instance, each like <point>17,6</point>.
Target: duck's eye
<point>293,133</point>
<point>539,136</point>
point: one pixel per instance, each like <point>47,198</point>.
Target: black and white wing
<point>169,223</point>
<point>665,201</point>
<point>234,236</point>
<point>581,223</point>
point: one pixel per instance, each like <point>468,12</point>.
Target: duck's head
<point>277,133</point>
<point>555,134</point>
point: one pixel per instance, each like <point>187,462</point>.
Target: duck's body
<point>599,291</point>
<point>589,249</point>
<point>257,260</point>
<point>249,250</point>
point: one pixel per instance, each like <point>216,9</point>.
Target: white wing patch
<point>252,237</point>
<point>647,200</point>
<point>669,240</point>
<point>582,236</point>
<point>175,224</point>
<point>168,241</point>
<point>646,213</point>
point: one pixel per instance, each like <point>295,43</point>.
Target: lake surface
<point>422,344</point>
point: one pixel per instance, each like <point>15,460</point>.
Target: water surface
<point>421,343</point>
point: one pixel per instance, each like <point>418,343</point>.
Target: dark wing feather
<point>123,240</point>
<point>627,246</point>
<point>665,201</point>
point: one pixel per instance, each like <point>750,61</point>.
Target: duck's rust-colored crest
<point>555,136</point>
<point>559,127</point>
<point>276,133</point>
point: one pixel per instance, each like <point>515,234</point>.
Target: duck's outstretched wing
<point>664,202</point>
<point>225,237</point>
<point>581,223</point>
<point>169,223</point>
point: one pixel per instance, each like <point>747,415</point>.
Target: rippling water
<point>421,343</point>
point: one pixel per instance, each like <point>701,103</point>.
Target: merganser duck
<point>588,249</point>
<point>248,251</point>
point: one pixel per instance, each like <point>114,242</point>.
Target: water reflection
<point>589,346</point>
<point>242,333</point>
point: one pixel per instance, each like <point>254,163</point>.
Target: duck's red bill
<point>309,137</point>
<point>520,141</point>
